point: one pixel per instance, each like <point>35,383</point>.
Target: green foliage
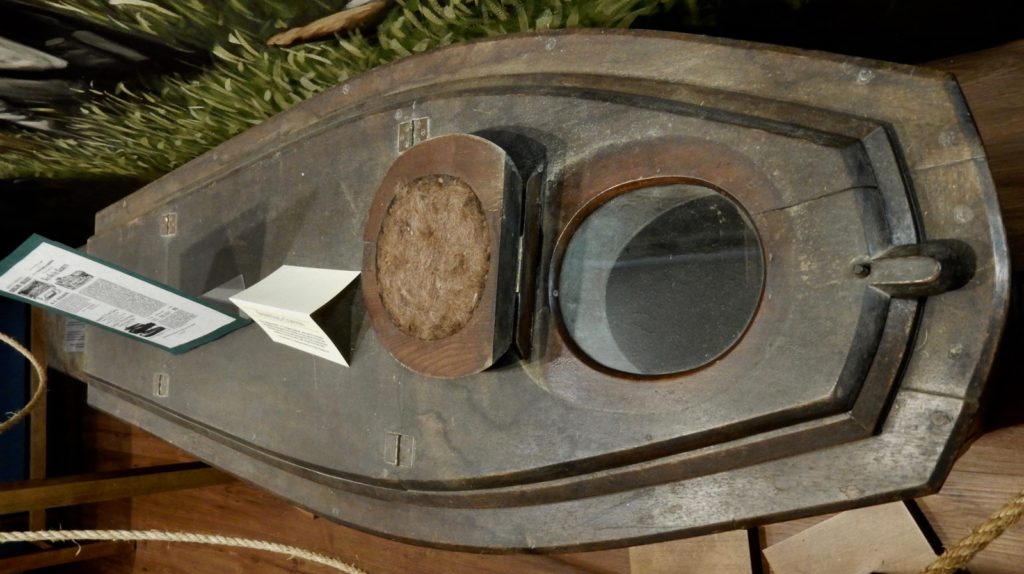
<point>144,134</point>
<point>197,23</point>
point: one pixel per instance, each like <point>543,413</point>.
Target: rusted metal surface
<point>885,289</point>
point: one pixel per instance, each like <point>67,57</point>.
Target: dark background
<point>907,31</point>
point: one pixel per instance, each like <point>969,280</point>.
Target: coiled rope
<point>186,537</point>
<point>952,559</point>
<point>40,390</point>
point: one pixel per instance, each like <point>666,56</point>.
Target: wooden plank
<point>992,470</point>
<point>883,538</point>
<point>37,421</point>
<point>986,476</point>
<point>59,356</point>
<point>82,489</point>
<point>337,23</point>
<point>151,451</point>
<point>983,479</point>
<point>969,495</point>
<point>598,562</point>
<point>244,510</point>
<point>993,83</point>
<point>247,511</point>
<point>775,533</point>
<point>722,553</point>
<point>61,556</point>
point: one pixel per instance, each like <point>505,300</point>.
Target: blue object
<point>14,373</point>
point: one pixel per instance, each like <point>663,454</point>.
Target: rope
<point>188,537</point>
<point>40,389</point>
<point>958,555</point>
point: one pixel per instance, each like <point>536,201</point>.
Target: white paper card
<point>56,277</point>
<point>284,302</point>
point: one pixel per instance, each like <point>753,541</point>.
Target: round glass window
<point>661,280</point>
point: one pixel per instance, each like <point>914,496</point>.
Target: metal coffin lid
<point>833,397</point>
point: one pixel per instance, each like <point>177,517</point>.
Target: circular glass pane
<point>661,280</point>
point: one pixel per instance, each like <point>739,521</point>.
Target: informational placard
<point>59,278</point>
<point>293,303</point>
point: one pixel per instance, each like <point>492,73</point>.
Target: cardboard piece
<point>883,538</point>
<point>722,553</point>
<point>305,308</point>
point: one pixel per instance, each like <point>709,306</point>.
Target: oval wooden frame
<point>488,171</point>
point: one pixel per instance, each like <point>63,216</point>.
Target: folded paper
<point>306,308</point>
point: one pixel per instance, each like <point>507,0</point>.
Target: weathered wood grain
<point>982,480</point>
<point>62,556</point>
<point>38,494</point>
<point>37,421</point>
<point>993,83</point>
<point>978,484</point>
<point>722,553</point>
<point>881,538</point>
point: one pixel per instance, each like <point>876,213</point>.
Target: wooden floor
<point>987,475</point>
<point>243,510</point>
